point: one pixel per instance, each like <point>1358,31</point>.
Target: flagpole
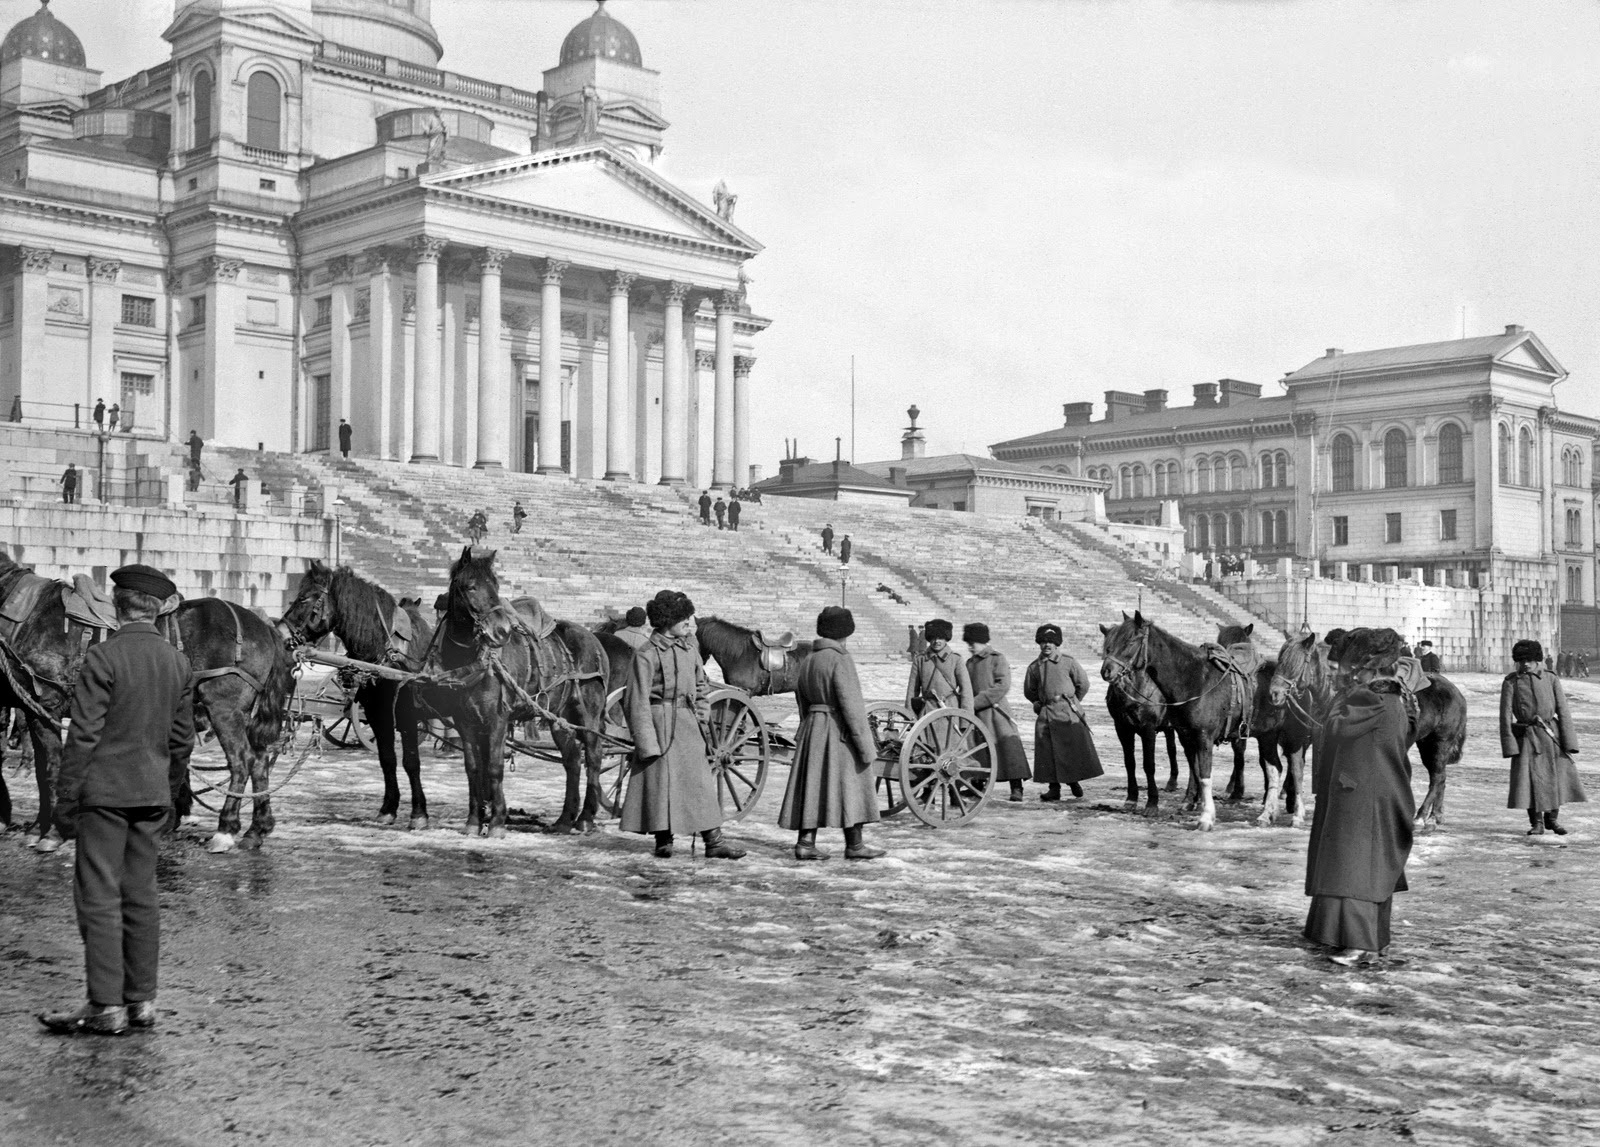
<point>852,409</point>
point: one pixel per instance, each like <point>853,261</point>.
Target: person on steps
<point>346,432</point>
<point>1063,749</point>
<point>720,508</point>
<point>733,514</point>
<point>518,515</point>
<point>69,484</point>
<point>831,783</point>
<point>705,507</point>
<point>990,674</point>
<point>1536,734</point>
<point>827,538</point>
<point>671,788</point>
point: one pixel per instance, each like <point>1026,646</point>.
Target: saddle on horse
<point>774,651</point>
<point>1240,662</point>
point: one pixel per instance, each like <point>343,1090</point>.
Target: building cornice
<point>11,202</point>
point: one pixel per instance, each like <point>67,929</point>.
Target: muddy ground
<point>1047,975</point>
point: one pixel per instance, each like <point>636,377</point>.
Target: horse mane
<point>363,610</point>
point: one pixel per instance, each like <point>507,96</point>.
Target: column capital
<point>36,258</point>
<point>220,270</point>
<point>104,270</point>
<point>380,260</point>
<point>1483,406</point>
<point>427,248</point>
<point>705,360</point>
<point>491,259</point>
<point>727,302</point>
<point>677,292</point>
<point>622,282</point>
<point>743,364</point>
<point>553,270</point>
<point>341,268</point>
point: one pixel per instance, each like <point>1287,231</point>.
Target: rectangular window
<point>1447,525</point>
<point>324,312</point>
<point>197,311</point>
<point>138,312</point>
<point>1391,527</point>
<point>958,505</point>
<point>1574,528</point>
<point>321,410</point>
<point>135,387</point>
<point>1341,531</point>
<point>268,184</point>
<point>1575,585</point>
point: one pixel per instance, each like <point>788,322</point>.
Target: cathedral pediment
<point>263,16</point>
<point>1528,354</point>
<point>595,182</point>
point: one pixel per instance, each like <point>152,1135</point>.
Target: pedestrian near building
<point>721,510</point>
<point>671,788</point>
<point>1536,733</point>
<point>518,515</point>
<point>938,675</point>
<point>99,414</point>
<point>239,481</point>
<point>477,526</point>
<point>733,514</point>
<point>990,674</point>
<point>69,484</point>
<point>831,783</point>
<point>1427,658</point>
<point>844,549</point>
<point>1063,749</point>
<point>705,507</point>
<point>345,434</point>
<point>125,755</point>
<point>1361,826</point>
<point>114,415</point>
<point>827,538</point>
<point>196,444</point>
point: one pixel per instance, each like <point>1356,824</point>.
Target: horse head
<point>474,590</point>
<point>1302,666</point>
<point>1234,634</point>
<point>310,617</point>
<point>1125,648</point>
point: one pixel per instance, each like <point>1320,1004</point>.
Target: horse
<point>1302,692</point>
<point>1205,702</point>
<point>243,677</point>
<point>1137,711</point>
<point>742,663</point>
<point>496,663</point>
<point>363,616</point>
<point>1266,727</point>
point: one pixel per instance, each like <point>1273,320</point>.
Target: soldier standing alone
<point>1536,733</point>
<point>1063,750</point>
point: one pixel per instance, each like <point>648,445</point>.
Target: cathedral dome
<point>601,37</point>
<point>43,37</point>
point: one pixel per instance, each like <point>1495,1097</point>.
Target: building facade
<point>1449,460</point>
<point>298,218</point>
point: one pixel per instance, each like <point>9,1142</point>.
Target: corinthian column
<point>674,394</point>
<point>722,448</point>
<point>494,392</point>
<point>742,366</point>
<point>550,367</point>
<point>617,461</point>
<point>425,250</point>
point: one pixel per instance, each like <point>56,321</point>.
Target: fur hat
<point>1334,639</point>
<point>1527,650</point>
<point>635,616</point>
<point>975,633</point>
<point>835,623</point>
<point>144,579</point>
<point>668,608</point>
<point>441,603</point>
<point>1375,650</point>
<point>1047,633</point>
<point>938,628</point>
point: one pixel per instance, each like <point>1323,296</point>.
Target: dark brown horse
<point>734,649</point>
<point>243,678</point>
<point>1205,704</point>
<point>1266,728</point>
<point>1302,691</point>
<point>491,667</point>
<point>1138,713</point>
<point>362,615</point>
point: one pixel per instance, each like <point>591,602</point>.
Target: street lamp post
<point>337,531</point>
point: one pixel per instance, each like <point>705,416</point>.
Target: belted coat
<point>831,782</point>
<point>671,787</point>
<point>938,679</point>
<point>1536,733</point>
<point>1063,748</point>
<point>990,674</point>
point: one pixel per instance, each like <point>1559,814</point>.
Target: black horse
<point>364,617</point>
<point>1266,728</point>
<point>492,667</point>
<point>1205,702</point>
<point>734,649</point>
<point>1302,692</point>
<point>1138,713</point>
<point>243,678</point>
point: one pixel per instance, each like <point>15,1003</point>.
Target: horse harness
<point>21,591</point>
<point>1234,674</point>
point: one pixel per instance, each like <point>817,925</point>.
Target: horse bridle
<point>1296,687</point>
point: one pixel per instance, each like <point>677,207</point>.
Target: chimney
<point>1232,388</point>
<point>1078,413</point>
<point>897,476</point>
<point>789,466</point>
<point>1155,401</point>
<point>1332,352</point>
<point>1123,403</point>
<point>912,443</point>
<point>1205,394</point>
<point>1513,329</point>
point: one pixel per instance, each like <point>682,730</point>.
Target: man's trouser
<point>114,891</point>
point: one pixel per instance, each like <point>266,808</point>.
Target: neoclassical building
<point>298,217</point>
<point>1451,458</point>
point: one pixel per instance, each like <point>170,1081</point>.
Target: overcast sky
<point>999,206</point>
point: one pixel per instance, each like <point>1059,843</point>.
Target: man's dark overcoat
<point>990,673</point>
<point>671,787</point>
<point>1536,733</point>
<point>831,783</point>
<point>1063,748</point>
<point>938,679</point>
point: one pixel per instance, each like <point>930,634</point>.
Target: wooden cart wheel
<point>614,758</point>
<point>889,723</point>
<point>946,767</point>
<point>351,730</point>
<point>740,749</point>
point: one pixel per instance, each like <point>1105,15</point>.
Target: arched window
<point>1283,468</point>
<point>1394,458</point>
<point>1282,530</point>
<point>1525,457</point>
<point>1266,470</point>
<point>264,112</point>
<point>1236,479</point>
<point>1449,453</point>
<point>1573,467</point>
<point>1236,529</point>
<point>1344,463</point>
<point>1202,533</point>
<point>1202,476</point>
<point>1138,479</point>
<point>1124,481</point>
<point>1503,439</point>
<point>1266,528</point>
<point>1219,531</point>
<point>202,96</point>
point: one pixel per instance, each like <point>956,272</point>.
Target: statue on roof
<point>438,136</point>
<point>724,200</point>
<point>591,112</point>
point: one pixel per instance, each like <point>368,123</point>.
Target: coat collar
<point>136,627</point>
<point>822,643</point>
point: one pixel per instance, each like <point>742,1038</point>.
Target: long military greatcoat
<point>831,783</point>
<point>1536,733</point>
<point>938,679</point>
<point>990,674</point>
<point>1063,749</point>
<point>671,787</point>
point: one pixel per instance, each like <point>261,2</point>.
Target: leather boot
<point>663,845</point>
<point>1053,793</point>
<point>1077,790</point>
<point>1550,822</point>
<point>93,1018</point>
<point>1537,823</point>
<point>805,846</point>
<point>856,847</point>
<point>1016,790</point>
<point>717,848</point>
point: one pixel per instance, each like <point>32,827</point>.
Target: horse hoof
<point>1206,825</point>
<point>564,828</point>
<point>498,832</point>
<point>386,818</point>
<point>221,842</point>
<point>585,827</point>
<point>418,822</point>
<point>251,841</point>
<point>473,828</point>
<point>48,843</point>
<point>1263,822</point>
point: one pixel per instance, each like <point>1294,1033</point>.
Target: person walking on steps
<point>239,481</point>
<point>671,788</point>
<point>990,674</point>
<point>831,783</point>
<point>1536,734</point>
<point>721,510</point>
<point>477,526</point>
<point>733,514</point>
<point>518,514</point>
<point>113,416</point>
<point>844,550</point>
<point>125,755</point>
<point>827,538</point>
<point>345,434</point>
<point>69,484</point>
<point>1063,749</point>
<point>99,414</point>
<point>705,507</point>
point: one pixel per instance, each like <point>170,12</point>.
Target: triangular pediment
<point>595,182</point>
<point>1526,354</point>
<point>263,16</point>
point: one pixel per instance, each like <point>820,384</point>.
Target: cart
<point>939,765</point>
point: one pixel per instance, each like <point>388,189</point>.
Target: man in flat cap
<point>938,675</point>
<point>1063,748</point>
<point>126,754</point>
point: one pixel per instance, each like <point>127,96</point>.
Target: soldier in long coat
<point>1536,733</point>
<point>1361,828</point>
<point>990,674</point>
<point>1063,748</point>
<point>938,675</point>
<point>671,787</point>
<point>831,783</point>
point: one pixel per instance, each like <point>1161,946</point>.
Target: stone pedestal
<point>176,484</point>
<point>1285,568</point>
<point>1364,572</point>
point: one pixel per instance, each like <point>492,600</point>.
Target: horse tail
<point>272,701</point>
